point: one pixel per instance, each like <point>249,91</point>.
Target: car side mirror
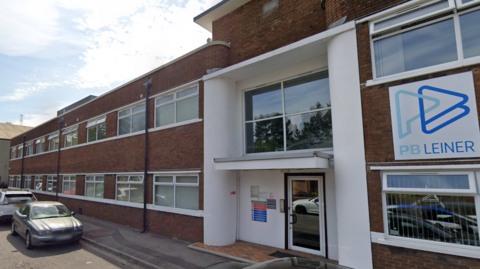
<point>22,216</point>
<point>73,213</point>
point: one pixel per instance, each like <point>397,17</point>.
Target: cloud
<point>24,90</point>
<point>36,119</point>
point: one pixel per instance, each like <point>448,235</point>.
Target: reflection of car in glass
<point>3,185</point>
<point>10,201</point>
<point>303,206</point>
<point>301,195</point>
<point>46,223</point>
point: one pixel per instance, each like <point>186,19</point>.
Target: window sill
<point>424,71</point>
<point>431,246</point>
<point>174,125</point>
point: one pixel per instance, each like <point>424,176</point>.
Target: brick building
<point>279,132</point>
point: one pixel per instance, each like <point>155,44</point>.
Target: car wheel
<point>28,241</point>
<point>300,209</point>
<point>12,231</point>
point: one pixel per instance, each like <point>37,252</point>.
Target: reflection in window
<point>38,183</point>
<point>69,185</point>
<point>130,189</point>
<point>52,184</point>
<point>177,191</point>
<point>177,107</point>
<point>94,186</point>
<point>303,122</point>
<point>131,120</point>
<point>469,24</point>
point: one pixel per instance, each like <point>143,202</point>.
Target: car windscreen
<point>49,211</point>
<point>19,198</point>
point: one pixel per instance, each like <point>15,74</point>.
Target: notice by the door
<point>259,211</point>
<point>271,204</point>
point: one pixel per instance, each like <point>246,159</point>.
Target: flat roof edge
<point>210,10</point>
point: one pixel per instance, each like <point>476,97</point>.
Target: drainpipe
<point>58,155</point>
<point>23,159</point>
<point>147,86</point>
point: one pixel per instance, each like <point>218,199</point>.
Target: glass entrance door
<point>306,217</point>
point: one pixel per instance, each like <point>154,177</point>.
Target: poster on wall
<point>259,211</point>
<point>435,118</point>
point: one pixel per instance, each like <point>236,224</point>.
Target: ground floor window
<point>94,186</point>
<point>130,189</point>
<point>178,191</point>
<point>28,182</point>
<point>69,184</point>
<point>51,183</point>
<point>19,182</point>
<point>12,182</point>
<point>38,183</point>
<point>434,208</point>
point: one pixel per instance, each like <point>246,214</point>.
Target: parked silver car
<point>11,201</point>
<point>46,223</point>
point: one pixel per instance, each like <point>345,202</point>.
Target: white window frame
<point>52,180</point>
<point>13,153</point>
<point>67,179</point>
<point>29,148</point>
<point>455,192</point>
<point>20,151</point>
<point>94,182</point>
<point>38,179</point>
<point>129,183</point>
<point>18,182</point>
<point>457,12</point>
<point>50,139</point>
<point>174,101</point>
<point>284,115</point>
<point>175,184</point>
<point>94,124</point>
<point>11,182</point>
<point>130,114</point>
<point>460,5</point>
<point>40,142</point>
<point>28,185</point>
<point>69,133</point>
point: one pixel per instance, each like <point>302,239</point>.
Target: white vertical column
<point>220,139</point>
<point>354,246</point>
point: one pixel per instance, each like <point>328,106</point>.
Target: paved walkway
<point>149,250</point>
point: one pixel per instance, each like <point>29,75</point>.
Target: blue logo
<point>424,115</point>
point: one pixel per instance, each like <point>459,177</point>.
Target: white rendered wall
<point>221,139</point>
<point>354,247</point>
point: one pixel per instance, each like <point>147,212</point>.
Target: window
<point>53,142</point>
<point>436,207</point>
<point>29,148</point>
<point>130,189</point>
<point>177,107</point>
<point>131,120</point>
<point>69,184</point>
<point>423,37</point>
<point>291,115</point>
<point>177,191</point>
<point>51,183</point>
<point>20,151</point>
<point>96,129</point>
<point>40,144</point>
<point>28,182</point>
<point>94,186</point>
<point>12,181</point>
<point>14,153</point>
<point>71,136</point>
<point>19,182</point>
<point>38,183</point>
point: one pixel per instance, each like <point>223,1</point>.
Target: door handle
<point>294,219</point>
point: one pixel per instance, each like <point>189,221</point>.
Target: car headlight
<point>45,232</point>
<point>78,228</point>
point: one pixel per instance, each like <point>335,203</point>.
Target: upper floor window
<point>53,142</point>
<point>177,107</point>
<point>29,148</point>
<point>40,145</point>
<point>96,129</point>
<point>71,136</point>
<point>131,120</point>
<point>290,115</point>
<point>432,34</point>
<point>14,153</point>
<point>130,189</point>
<point>20,151</point>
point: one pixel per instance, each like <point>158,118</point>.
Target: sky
<point>56,52</point>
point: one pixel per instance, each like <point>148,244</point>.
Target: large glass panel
<point>456,182</point>
<point>411,15</point>
<point>305,205</point>
<point>138,122</point>
<point>164,195</point>
<point>90,192</point>
<point>309,130</point>
<point>123,192</point>
<point>186,179</point>
<point>75,138</point>
<point>138,108</point>
<point>187,92</point>
<point>263,103</point>
<point>470,28</point>
<point>92,134</point>
<point>68,140</point>
<point>136,193</point>
<point>187,109</point>
<point>66,187</point>
<point>426,46</point>
<point>165,115</point>
<point>186,197</point>
<point>124,125</point>
<point>73,187</point>
<point>440,218</point>
<point>102,131</point>
<point>123,113</point>
<point>264,136</point>
<point>307,93</point>
<point>38,185</point>
<point>99,190</point>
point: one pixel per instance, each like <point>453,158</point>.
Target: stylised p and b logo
<point>435,118</point>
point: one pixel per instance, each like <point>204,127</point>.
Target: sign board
<point>259,211</point>
<point>435,118</point>
<point>271,204</point>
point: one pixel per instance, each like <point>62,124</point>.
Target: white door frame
<point>321,215</point>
